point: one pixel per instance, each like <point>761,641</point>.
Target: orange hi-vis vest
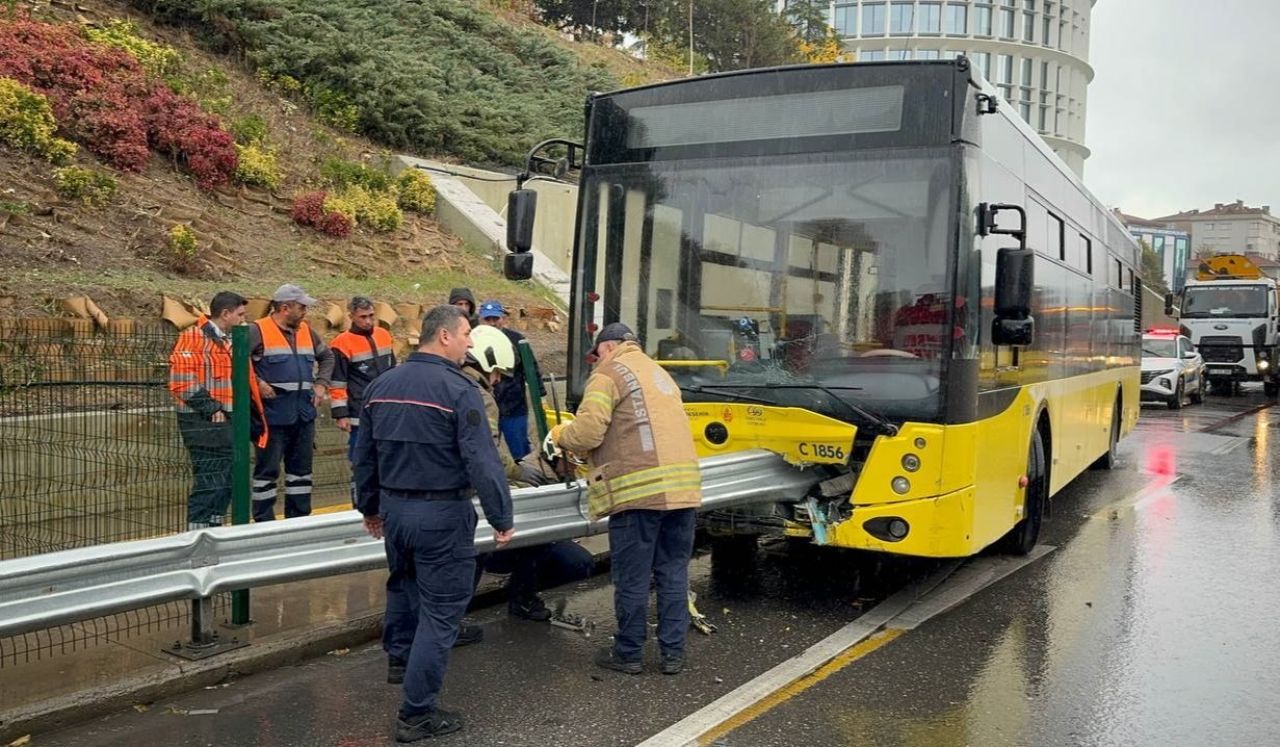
<point>358,359</point>
<point>201,361</point>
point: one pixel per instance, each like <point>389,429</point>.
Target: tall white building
<point>1035,51</point>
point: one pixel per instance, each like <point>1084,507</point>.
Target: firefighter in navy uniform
<point>424,448</point>
<point>293,366</point>
<point>361,354</point>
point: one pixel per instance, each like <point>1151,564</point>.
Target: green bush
<point>257,165</point>
<point>250,130</point>
<point>159,60</point>
<point>374,210</point>
<point>27,122</point>
<point>437,76</point>
<point>417,193</point>
<point>341,174</point>
<point>76,183</point>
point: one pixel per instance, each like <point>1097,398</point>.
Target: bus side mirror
<point>1168,304</point>
<point>522,208</point>
<point>1015,280</point>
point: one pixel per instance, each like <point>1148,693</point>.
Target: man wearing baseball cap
<point>513,407</point>
<point>642,472</point>
<point>294,367</point>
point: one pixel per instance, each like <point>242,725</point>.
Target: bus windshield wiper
<point>881,422</point>
<point>708,389</point>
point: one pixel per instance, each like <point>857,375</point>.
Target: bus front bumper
<point>938,527</point>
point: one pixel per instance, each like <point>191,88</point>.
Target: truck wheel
<point>1023,537</point>
<point>1178,394</point>
<point>1219,387</point>
<point>1270,388</point>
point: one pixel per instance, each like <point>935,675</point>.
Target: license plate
<point>1221,371</point>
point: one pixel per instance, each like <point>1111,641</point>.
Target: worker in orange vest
<point>294,368</point>
<point>361,354</point>
<point>200,382</point>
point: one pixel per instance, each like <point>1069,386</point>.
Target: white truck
<point>1230,311</point>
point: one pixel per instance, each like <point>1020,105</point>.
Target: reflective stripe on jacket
<point>200,374</point>
<point>359,358</point>
<point>632,428</point>
<point>290,371</point>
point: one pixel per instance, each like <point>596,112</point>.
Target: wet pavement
<point>1152,621</point>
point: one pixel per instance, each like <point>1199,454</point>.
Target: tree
<point>1152,269</point>
<point>810,20</point>
<point>593,17</point>
<point>729,34</point>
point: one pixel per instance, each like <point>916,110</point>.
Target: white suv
<point>1172,369</point>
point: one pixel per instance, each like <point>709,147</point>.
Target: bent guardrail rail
<point>62,587</point>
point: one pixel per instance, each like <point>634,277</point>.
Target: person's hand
<point>266,390</point>
<point>551,451</point>
<point>373,525</point>
<point>502,538</point>
<point>219,417</point>
<point>344,424</point>
<point>318,394</point>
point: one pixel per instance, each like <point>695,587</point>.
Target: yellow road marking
<point>747,715</point>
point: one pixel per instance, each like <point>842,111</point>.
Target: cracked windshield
<point>816,282</point>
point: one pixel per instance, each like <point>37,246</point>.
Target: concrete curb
<point>278,651</point>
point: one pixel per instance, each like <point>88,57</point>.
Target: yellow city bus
<point>878,271</point>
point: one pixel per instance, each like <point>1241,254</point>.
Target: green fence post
<point>241,462</point>
<point>535,398</point>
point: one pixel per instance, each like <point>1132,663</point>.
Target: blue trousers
<point>432,557</point>
<point>294,443</point>
<point>649,545</point>
<point>209,445</point>
<point>515,431</point>
<point>351,459</point>
<point>539,567</point>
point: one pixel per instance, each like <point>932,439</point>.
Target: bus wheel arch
<point>1109,458</point>
<point>1022,539</point>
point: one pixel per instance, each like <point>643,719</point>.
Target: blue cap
<point>490,309</point>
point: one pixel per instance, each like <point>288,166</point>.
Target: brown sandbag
<point>385,314</point>
<point>177,313</point>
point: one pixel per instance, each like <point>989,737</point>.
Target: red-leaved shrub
<point>308,210</point>
<point>104,99</point>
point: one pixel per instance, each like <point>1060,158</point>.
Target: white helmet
<point>492,350</point>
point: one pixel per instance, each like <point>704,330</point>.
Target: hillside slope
<point>52,246</point>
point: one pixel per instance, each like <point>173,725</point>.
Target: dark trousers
<point>515,431</point>
<point>540,567</point>
<point>294,443</point>
<point>432,557</point>
<point>209,446</point>
<point>351,459</point>
<point>645,545</point>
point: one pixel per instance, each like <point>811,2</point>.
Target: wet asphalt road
<point>1156,620</point>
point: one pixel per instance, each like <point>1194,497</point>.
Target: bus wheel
<point>732,553</point>
<point>1108,460</point>
<point>1022,538</point>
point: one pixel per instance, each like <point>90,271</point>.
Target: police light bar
<point>1162,331</point>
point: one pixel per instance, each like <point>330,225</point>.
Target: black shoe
<point>672,664</point>
<point>437,723</point>
<point>530,608</point>
<point>607,659</point>
<point>468,634</point>
<point>395,671</point>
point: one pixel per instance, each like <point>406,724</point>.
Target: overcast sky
<point>1184,108</point>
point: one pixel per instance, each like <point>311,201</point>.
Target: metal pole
<point>690,37</point>
<point>241,463</point>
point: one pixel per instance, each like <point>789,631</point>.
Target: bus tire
<point>1022,539</point>
<point>1109,459</point>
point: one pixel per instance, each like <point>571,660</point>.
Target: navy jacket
<point>424,428</point>
<point>509,392</point>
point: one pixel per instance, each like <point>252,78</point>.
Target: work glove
<point>551,451</point>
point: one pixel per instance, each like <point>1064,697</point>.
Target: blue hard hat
<point>490,309</point>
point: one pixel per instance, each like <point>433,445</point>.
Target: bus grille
<point>1222,349</point>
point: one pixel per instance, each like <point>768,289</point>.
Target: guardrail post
<point>241,460</point>
<point>204,639</point>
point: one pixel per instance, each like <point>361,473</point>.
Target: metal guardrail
<point>62,587</point>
